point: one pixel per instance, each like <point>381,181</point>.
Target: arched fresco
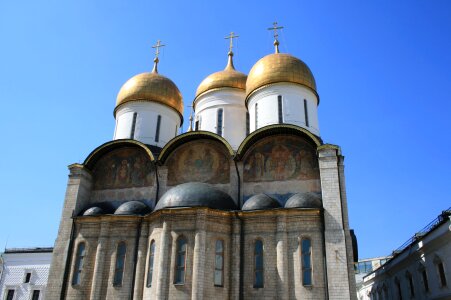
<point>199,160</point>
<point>121,168</point>
<point>281,157</point>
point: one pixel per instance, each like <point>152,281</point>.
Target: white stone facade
<point>231,101</point>
<point>17,263</point>
<point>145,124</point>
<point>293,112</point>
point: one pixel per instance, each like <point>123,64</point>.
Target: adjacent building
<point>24,273</point>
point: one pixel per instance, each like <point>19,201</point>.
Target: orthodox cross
<point>157,48</point>
<point>275,28</point>
<point>230,37</point>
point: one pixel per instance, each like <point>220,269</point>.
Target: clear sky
<point>383,70</point>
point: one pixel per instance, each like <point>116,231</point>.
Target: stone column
<point>282,259</point>
<point>334,233</point>
<point>77,196</point>
<point>163,258</point>
<point>141,262</point>
<point>99,263</point>
<point>199,257</point>
<point>234,271</point>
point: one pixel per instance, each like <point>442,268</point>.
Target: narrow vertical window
<point>151,260</point>
<point>441,273</point>
<point>175,129</point>
<point>306,113</point>
<point>120,264</point>
<point>35,295</point>
<point>157,132</point>
<point>27,277</point>
<point>132,132</point>
<point>180,261</point>
<point>256,116</point>
<point>248,125</point>
<point>410,281</point>
<point>196,125</point>
<point>306,261</point>
<point>398,288</point>
<point>219,121</point>
<point>219,263</point>
<point>258,264</point>
<point>280,109</point>
<point>424,276</point>
<point>78,266</point>
<point>10,295</point>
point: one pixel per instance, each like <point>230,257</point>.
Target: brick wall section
<point>335,243</point>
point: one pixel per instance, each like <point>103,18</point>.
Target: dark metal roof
<point>94,211</point>
<point>259,202</point>
<point>132,208</point>
<point>196,194</point>
<point>30,250</point>
<point>304,200</point>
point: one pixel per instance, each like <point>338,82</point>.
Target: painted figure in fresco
<point>138,174</point>
<point>123,173</point>
<point>281,164</point>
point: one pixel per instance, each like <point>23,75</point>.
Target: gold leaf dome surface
<point>229,77</point>
<point>151,87</point>
<point>279,67</point>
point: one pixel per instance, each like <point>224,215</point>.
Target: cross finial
<point>157,47</point>
<point>230,37</point>
<point>190,127</point>
<point>276,35</point>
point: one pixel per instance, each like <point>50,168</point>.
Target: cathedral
<point>249,203</point>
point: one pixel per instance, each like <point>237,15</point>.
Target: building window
<point>151,260</point>
<point>441,273</point>
<point>196,125</point>
<point>132,132</point>
<point>411,287</point>
<point>35,295</point>
<point>306,261</point>
<point>176,129</point>
<point>306,113</point>
<point>78,267</point>
<point>256,116</point>
<point>219,121</point>
<point>398,288</point>
<point>180,263</point>
<point>280,109</point>
<point>219,263</point>
<point>120,264</point>
<point>27,277</point>
<point>157,132</point>
<point>248,124</point>
<point>258,264</point>
<point>424,276</point>
<point>10,295</point>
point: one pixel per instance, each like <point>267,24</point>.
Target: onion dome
<point>304,200</point>
<point>195,194</point>
<point>132,208</point>
<point>228,78</point>
<point>260,202</point>
<point>279,67</point>
<point>94,211</point>
<point>151,87</point>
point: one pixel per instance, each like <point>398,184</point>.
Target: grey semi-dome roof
<point>94,211</point>
<point>195,194</point>
<point>304,200</point>
<point>132,208</point>
<point>260,201</point>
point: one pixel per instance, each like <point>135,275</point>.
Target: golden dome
<point>151,87</point>
<point>279,67</point>
<point>229,77</point>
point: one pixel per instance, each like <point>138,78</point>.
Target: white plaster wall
<point>234,115</point>
<point>146,122</point>
<point>293,96</point>
<point>16,265</point>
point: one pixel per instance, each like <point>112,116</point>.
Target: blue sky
<point>383,70</point>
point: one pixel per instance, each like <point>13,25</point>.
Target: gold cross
<point>230,37</point>
<point>157,47</point>
<point>275,28</point>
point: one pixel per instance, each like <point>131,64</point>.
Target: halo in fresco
<point>281,158</point>
<point>201,161</point>
<point>123,168</point>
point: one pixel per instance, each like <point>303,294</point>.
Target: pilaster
<point>141,262</point>
<point>282,258</point>
<point>163,267</point>
<point>99,262</point>
<point>199,257</point>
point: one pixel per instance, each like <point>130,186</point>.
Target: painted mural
<point>123,168</point>
<point>202,161</point>
<point>281,158</point>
